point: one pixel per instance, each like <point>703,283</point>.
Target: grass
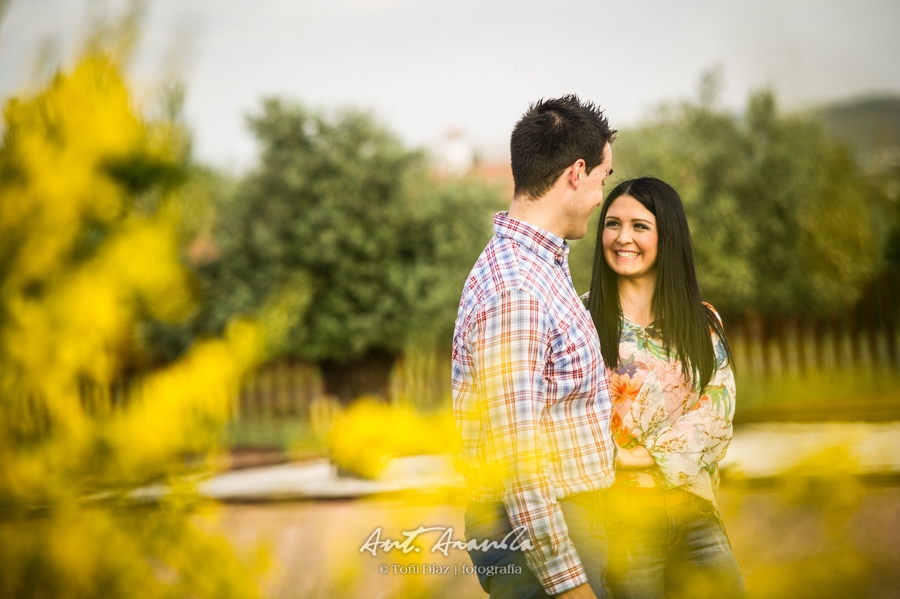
<point>850,389</point>
<point>286,434</point>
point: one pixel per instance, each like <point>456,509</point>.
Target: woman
<point>672,392</point>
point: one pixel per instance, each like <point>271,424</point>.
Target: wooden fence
<point>283,389</point>
<point>291,388</point>
<point>864,336</point>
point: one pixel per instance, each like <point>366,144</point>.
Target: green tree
<point>782,217</point>
<point>871,127</point>
<point>339,205</point>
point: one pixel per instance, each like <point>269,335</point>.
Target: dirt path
<point>816,539</point>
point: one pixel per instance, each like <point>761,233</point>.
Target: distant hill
<point>871,126</point>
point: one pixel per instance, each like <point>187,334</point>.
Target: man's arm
<point>512,343</point>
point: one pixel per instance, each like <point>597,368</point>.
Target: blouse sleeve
<point>699,438</point>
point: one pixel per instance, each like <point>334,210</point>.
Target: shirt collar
<point>652,329</point>
<point>545,244</point>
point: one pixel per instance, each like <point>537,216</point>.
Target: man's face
<point>587,197</point>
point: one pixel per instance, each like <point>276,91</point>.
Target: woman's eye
<point>610,224</point>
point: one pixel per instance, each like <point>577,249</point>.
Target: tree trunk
<point>351,379</point>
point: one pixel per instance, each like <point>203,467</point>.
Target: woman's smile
<point>630,239</point>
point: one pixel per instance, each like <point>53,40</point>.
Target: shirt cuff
<point>559,574</point>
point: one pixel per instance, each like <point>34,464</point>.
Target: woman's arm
<point>699,438</point>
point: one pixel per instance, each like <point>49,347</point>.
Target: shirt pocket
<point>572,366</point>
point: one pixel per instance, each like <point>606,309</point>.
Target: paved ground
<point>757,451</point>
<point>319,479</point>
<point>767,449</point>
<point>814,529</point>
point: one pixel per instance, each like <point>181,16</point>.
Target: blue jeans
<point>678,551</point>
<point>489,521</point>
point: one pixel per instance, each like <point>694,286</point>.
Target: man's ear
<point>576,173</point>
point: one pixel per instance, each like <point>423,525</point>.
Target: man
<point>530,393</point>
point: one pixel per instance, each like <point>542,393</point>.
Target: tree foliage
<point>783,219</point>
<point>339,204</point>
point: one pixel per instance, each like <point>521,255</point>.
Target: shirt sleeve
<point>699,438</point>
<point>511,351</point>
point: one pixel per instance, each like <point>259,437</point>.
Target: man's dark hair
<point>551,136</point>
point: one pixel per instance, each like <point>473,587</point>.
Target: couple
<point>595,431</point>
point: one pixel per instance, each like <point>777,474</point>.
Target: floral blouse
<point>686,432</point>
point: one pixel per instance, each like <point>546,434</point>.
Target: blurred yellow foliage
<point>80,267</point>
<point>371,432</point>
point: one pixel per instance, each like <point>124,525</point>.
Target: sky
<point>424,67</point>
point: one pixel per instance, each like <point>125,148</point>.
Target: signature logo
<point>516,540</point>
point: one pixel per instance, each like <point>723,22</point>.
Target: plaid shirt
<point>530,392</point>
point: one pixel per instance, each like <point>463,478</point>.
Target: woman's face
<point>630,239</point>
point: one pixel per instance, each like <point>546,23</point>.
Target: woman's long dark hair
<point>681,316</point>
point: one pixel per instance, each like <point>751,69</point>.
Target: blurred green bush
<point>338,206</point>
<point>784,219</point>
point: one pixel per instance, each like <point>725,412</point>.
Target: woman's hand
<point>635,458</point>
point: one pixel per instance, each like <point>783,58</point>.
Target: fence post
<point>838,342</point>
<point>247,393</point>
<point>781,336</point>
<point>800,339</point>
<point>887,317</point>
<point>853,326</point>
<point>293,391</point>
<point>818,342</point>
<point>265,391</point>
<point>747,334</point>
<point>871,334</point>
